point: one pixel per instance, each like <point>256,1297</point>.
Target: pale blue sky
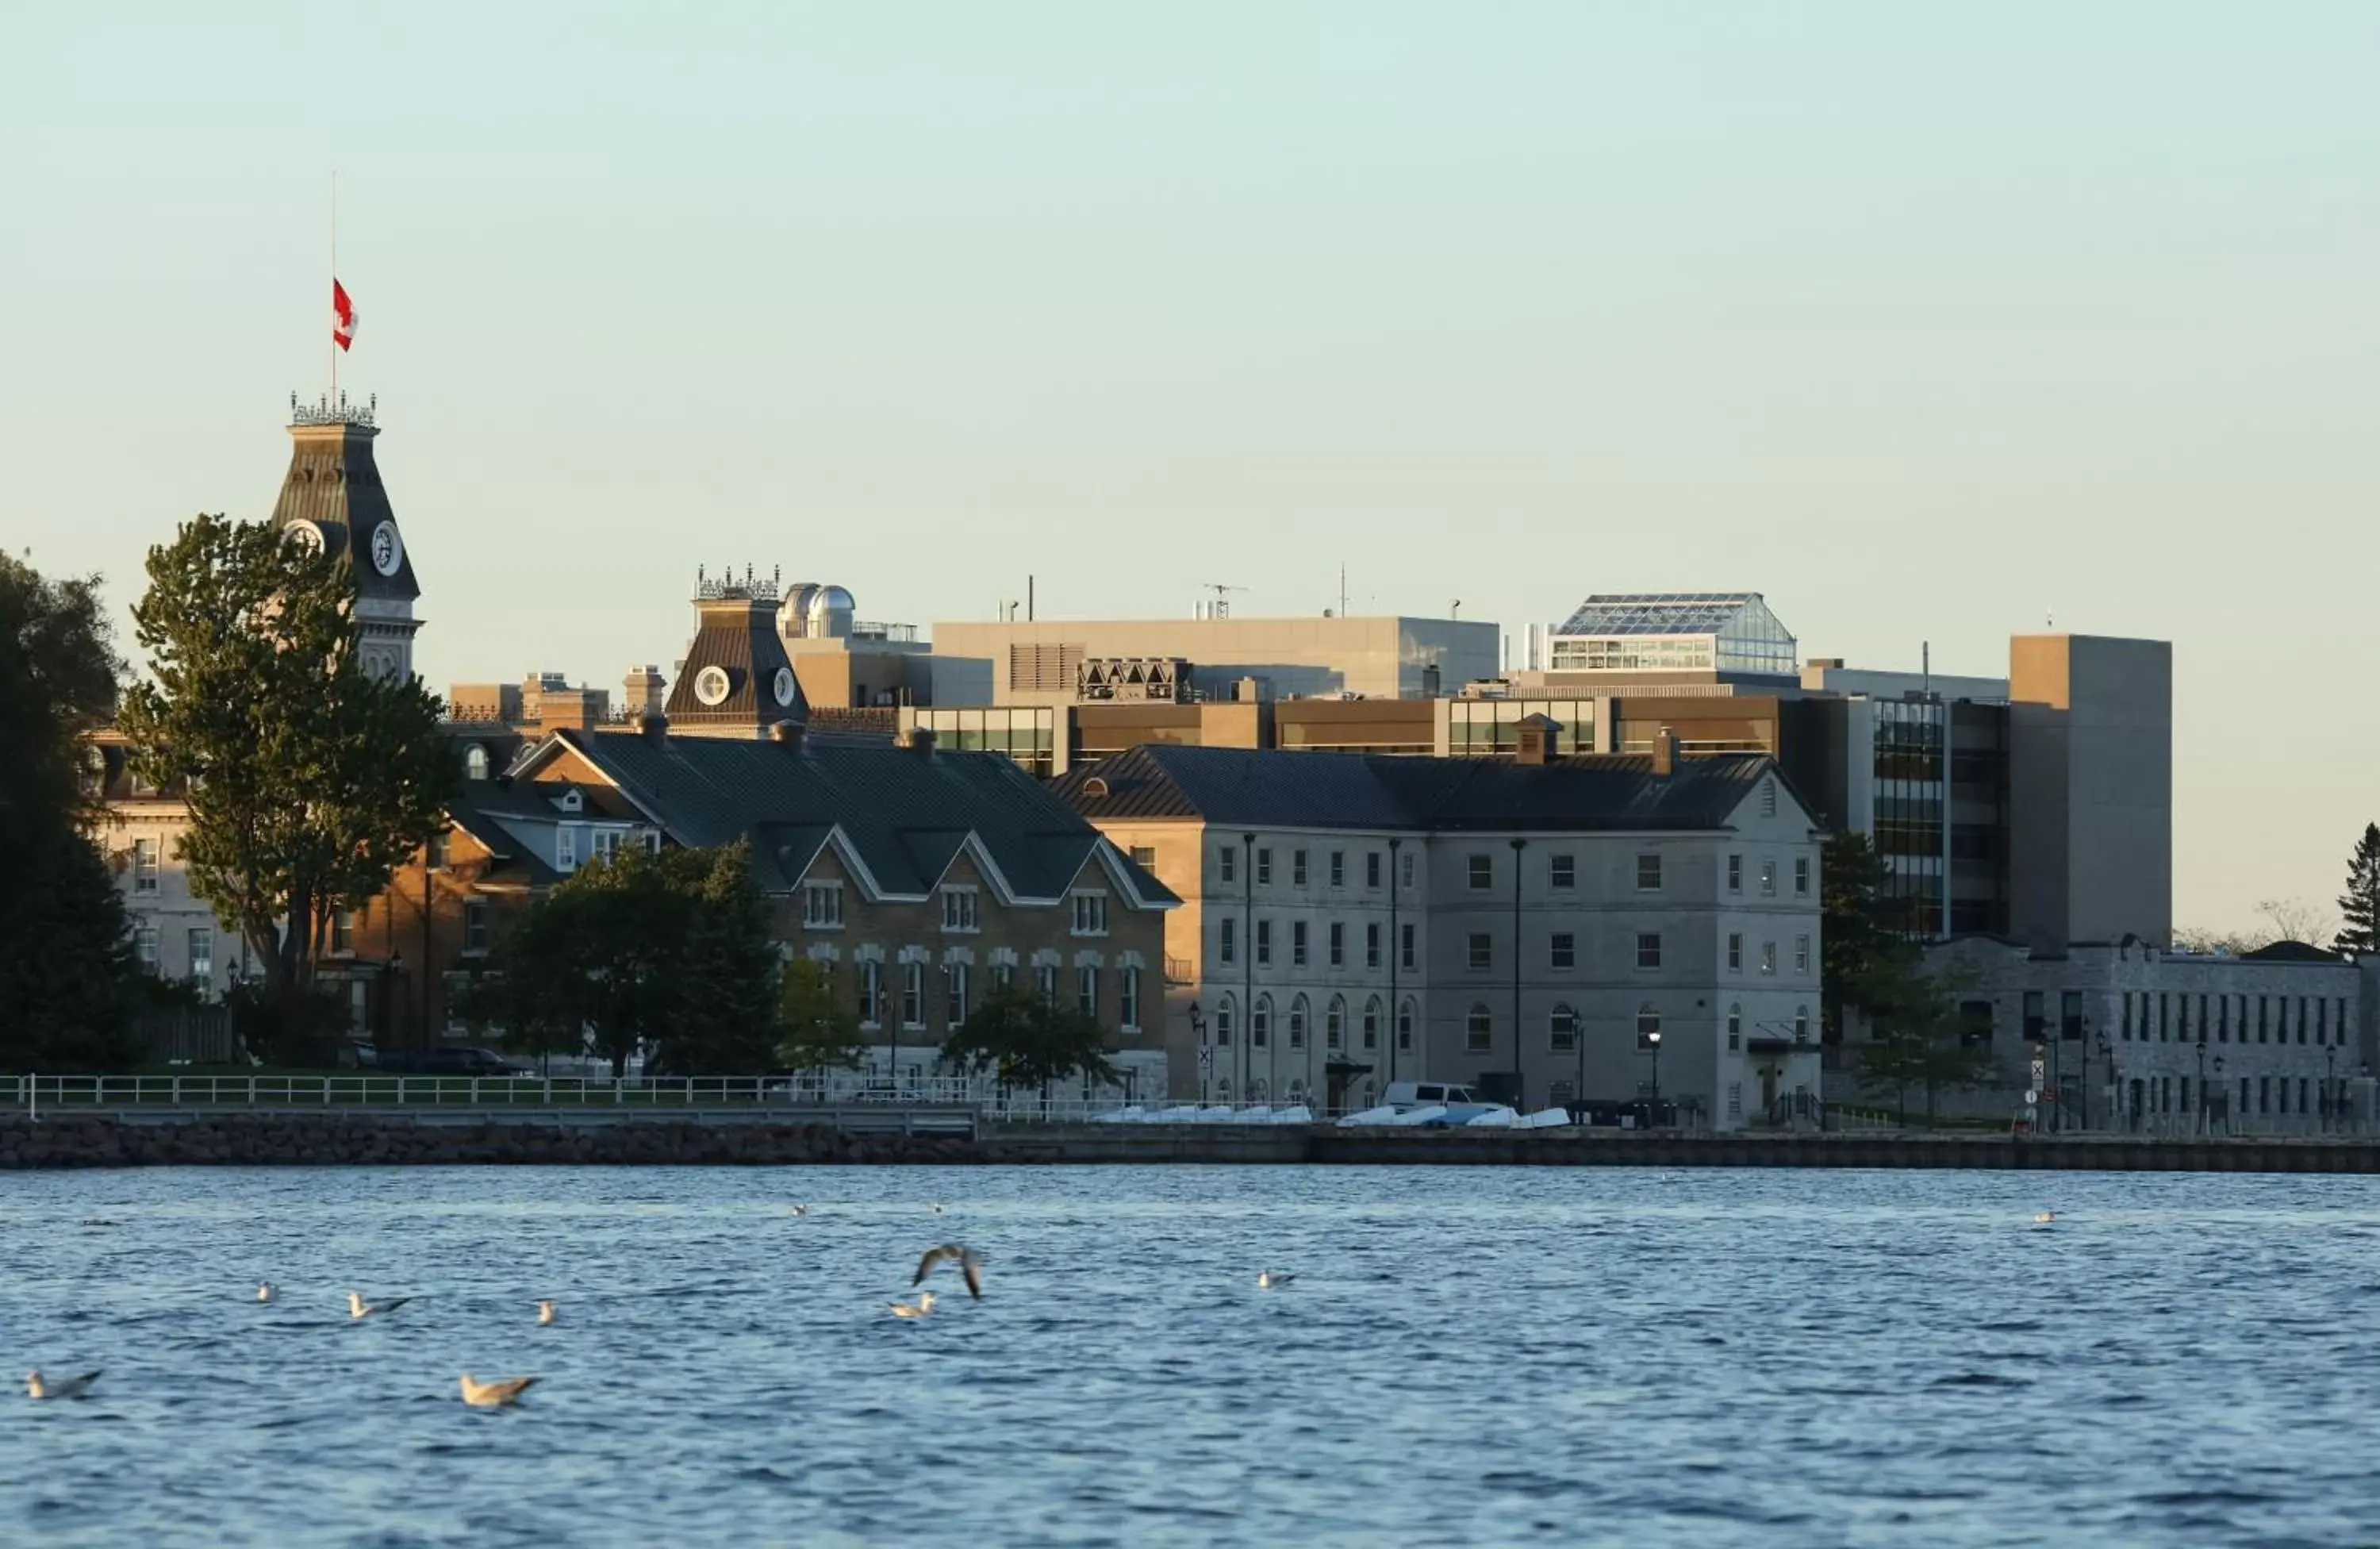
<point>1924,319</point>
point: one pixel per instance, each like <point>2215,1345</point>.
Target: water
<point>1469,1356</point>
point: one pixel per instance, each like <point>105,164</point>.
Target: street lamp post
<point>2200,1128</point>
<point>1518,845</point>
<point>1652,1042</point>
<point>2225,1106</point>
<point>1205,1055</point>
<point>2108,1055</point>
<point>2329,1086</point>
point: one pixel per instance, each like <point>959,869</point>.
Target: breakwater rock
<point>316,1139</point>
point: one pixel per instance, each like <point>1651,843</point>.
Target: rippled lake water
<point>1468,1356</point>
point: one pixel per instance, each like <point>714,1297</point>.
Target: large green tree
<point>310,780</point>
<point>1028,1042</point>
<point>1918,1040</point>
<point>2359,907</point>
<point>818,1025</point>
<point>1864,965</point>
<point>67,980</point>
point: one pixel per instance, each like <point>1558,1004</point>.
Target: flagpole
<point>335,281</point>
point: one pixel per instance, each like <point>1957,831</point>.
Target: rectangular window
<point>1371,868</point>
<point>343,930</point>
<point>1561,870</point>
<point>1802,876</point>
<point>1338,945</point>
<point>144,947</point>
<point>1045,982</point>
<point>433,854</point>
<point>1405,872</point>
<point>566,848</point>
<point>1483,872</point>
<point>1090,914</point>
<point>2128,1017</point>
<point>959,909</point>
<point>1735,873</point>
<point>1297,868</point>
<point>1405,946</point>
<point>1264,868</point>
<point>2069,1015</point>
<point>1297,943</point>
<point>1801,953</point>
<point>1128,1013</point>
<point>871,994</point>
<point>2035,1013</point>
<point>1648,949</point>
<point>955,980</point>
<point>1144,857</point>
<point>822,906</point>
<point>1768,957</point>
<point>144,865</point>
<point>1338,868</point>
<point>1769,879</point>
<point>2301,1037</point>
<point>202,953</point>
<point>1478,1031</point>
<point>1483,950</point>
<point>1227,864</point>
<point>1227,945</point>
<point>1648,873</point>
<point>475,924</point>
<point>1004,976</point>
<point>1404,1027</point>
<point>604,843</point>
<point>1735,952</point>
<point>913,994</point>
<point>1372,947</point>
<point>1264,944</point>
<point>1086,989</point>
<point>1563,952</point>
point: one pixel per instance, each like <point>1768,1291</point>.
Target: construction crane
<point>1221,606</point>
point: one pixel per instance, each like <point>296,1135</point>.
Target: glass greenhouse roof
<point>1658,613</point>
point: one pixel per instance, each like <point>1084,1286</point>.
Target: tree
<point>724,1017</point>
<point>2202,942</point>
<point>820,1026</point>
<point>68,985</point>
<point>1864,966</point>
<point>2300,919</point>
<point>2359,907</point>
<point>309,779</point>
<point>1920,1041</point>
<point>1028,1041</point>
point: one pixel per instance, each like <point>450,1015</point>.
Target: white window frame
<point>1768,957</point>
<point>1648,865</point>
<point>565,847</point>
<point>1479,952</point>
<point>1769,879</point>
<point>1562,871</point>
<point>1735,873</point>
<point>1227,863</point>
<point>476,923</point>
<point>1649,942</point>
<point>144,865</point>
<point>954,993</point>
<point>1479,874</point>
<point>913,997</point>
<point>1086,988</point>
<point>822,906</point>
<point>1735,952</point>
<point>1801,953</point>
<point>1091,914</point>
<point>1129,1011</point>
<point>869,975</point>
<point>1562,950</point>
<point>962,909</point>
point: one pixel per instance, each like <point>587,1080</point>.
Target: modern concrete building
<point>1546,928</point>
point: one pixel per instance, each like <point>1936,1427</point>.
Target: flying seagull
<point>264,1290</point>
<point>73,1387</point>
<point>544,1313</point>
<point>924,1304</point>
<point>970,1265</point>
<point>359,1308</point>
<point>498,1395</point>
<point>1272,1279</point>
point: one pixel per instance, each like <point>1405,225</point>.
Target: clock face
<point>710,685</point>
<point>306,535</point>
<point>387,549</point>
<point>784,685</point>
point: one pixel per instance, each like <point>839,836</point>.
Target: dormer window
<point>570,801</point>
<point>475,763</point>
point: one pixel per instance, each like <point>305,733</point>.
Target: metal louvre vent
<point>1043,669</point>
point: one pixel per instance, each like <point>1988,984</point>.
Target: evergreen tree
<point>2359,907</point>
<point>69,986</point>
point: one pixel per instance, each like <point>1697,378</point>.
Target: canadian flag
<point>343,316</point>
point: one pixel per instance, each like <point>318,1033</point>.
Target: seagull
<point>359,1308</point>
<point>544,1313</point>
<point>924,1305</point>
<point>970,1265</point>
<point>801,1210</point>
<point>264,1290</point>
<point>936,1207</point>
<point>2044,1218</point>
<point>73,1387</point>
<point>498,1395</point>
<point>1272,1279</point>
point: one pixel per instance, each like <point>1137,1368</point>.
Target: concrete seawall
<point>318,1138</point>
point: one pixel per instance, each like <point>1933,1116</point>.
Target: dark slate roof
<point>737,632</point>
<point>474,812</point>
<point>906,814</point>
<point>1289,790</point>
<point>2291,952</point>
<point>334,483</point>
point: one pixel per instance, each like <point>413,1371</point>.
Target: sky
<point>1932,323</point>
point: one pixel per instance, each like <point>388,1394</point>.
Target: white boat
<point>1368,1117</point>
<point>1498,1117</point>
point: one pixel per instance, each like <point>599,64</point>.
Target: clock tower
<point>331,499</point>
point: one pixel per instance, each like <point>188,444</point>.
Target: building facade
<point>1545,929</point>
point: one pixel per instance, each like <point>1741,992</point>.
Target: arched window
<point>1735,1027</point>
<point>1478,1027</point>
<point>1258,1092</point>
<point>474,762</point>
<point>1800,1024</point>
<point>1372,1023</point>
<point>1222,1030</point>
<point>1223,1090</point>
<point>1334,1025</point>
<point>1562,1027</point>
<point>1297,1023</point>
<point>1261,1023</point>
<point>1405,1027</point>
<point>1648,1020</point>
<point>1297,1091</point>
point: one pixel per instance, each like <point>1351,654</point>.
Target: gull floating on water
<point>923,1305</point>
<point>73,1387</point>
<point>1272,1279</point>
<point>498,1395</point>
<point>970,1265</point>
<point>801,1210</point>
<point>264,1290</point>
<point>359,1308</point>
<point>545,1312</point>
<point>936,1207</point>
<point>2045,1217</point>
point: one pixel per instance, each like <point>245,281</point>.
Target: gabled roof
<point>1288,790</point>
<point>475,811</point>
<point>901,816</point>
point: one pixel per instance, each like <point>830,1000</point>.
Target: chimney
<point>648,690</point>
<point>921,741</point>
<point>1540,740</point>
<point>1665,753</point>
<point>653,727</point>
<point>787,735</point>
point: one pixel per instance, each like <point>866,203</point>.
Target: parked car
<point>447,1062</point>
